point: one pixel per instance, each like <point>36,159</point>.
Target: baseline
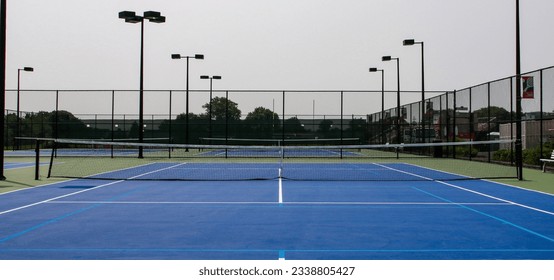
<point>85,190</point>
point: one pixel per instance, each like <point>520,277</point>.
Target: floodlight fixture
<point>408,42</point>
<point>135,19</point>
<point>28,69</point>
<point>152,15</point>
<point>196,56</point>
<point>387,58</point>
<point>205,77</point>
<point>160,19</point>
<point>132,17</point>
<point>127,15</point>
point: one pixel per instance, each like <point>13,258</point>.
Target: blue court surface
<point>276,219</point>
<point>277,152</point>
<point>16,165</point>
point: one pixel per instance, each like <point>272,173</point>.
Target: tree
<point>262,123</point>
<point>293,126</point>
<point>68,125</point>
<point>134,130</point>
<point>197,128</point>
<point>261,113</point>
<point>358,129</point>
<point>486,120</point>
<point>37,125</point>
<point>219,105</point>
<point>499,114</point>
<point>326,129</point>
<point>11,128</point>
<point>325,126</point>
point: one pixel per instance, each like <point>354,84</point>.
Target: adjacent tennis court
<point>16,165</point>
<point>273,213</point>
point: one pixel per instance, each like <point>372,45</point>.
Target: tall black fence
<point>482,112</point>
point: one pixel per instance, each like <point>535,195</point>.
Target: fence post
<point>37,159</point>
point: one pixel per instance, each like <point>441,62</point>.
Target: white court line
<point>273,203</point>
<point>491,181</point>
<point>58,197</point>
<point>280,186</point>
<point>159,202</point>
<point>471,191</point>
<point>70,180</point>
<point>82,191</point>
<point>396,203</point>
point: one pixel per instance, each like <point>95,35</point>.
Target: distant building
<point>530,132</point>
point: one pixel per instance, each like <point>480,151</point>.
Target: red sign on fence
<point>528,88</point>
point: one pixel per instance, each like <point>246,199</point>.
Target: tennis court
<point>16,165</point>
<point>272,213</point>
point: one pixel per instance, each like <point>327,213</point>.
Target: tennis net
<point>398,162</point>
<point>281,142</point>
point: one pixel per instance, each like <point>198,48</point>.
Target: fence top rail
<point>507,78</point>
<point>226,90</point>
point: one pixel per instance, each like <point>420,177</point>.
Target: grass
<point>533,179</point>
<point>22,178</point>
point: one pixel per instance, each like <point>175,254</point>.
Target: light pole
<point>131,17</point>
<point>411,42</point>
<point>398,113</point>
<point>26,69</point>
<point>178,56</point>
<point>3,21</point>
<point>519,110</point>
<point>205,77</point>
<point>383,139</point>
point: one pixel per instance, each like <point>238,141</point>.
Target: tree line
<point>222,118</point>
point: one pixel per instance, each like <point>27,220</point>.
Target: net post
<point>341,120</point>
<point>471,123</point>
<point>52,159</point>
<point>113,121</point>
<point>37,159</point>
<point>226,121</point>
<point>283,126</point>
<point>454,124</point>
<point>169,133</point>
<point>281,159</point>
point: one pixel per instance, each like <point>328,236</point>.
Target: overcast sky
<point>273,44</point>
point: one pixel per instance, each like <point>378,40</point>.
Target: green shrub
<point>466,151</point>
<point>531,156</point>
<point>503,155</point>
